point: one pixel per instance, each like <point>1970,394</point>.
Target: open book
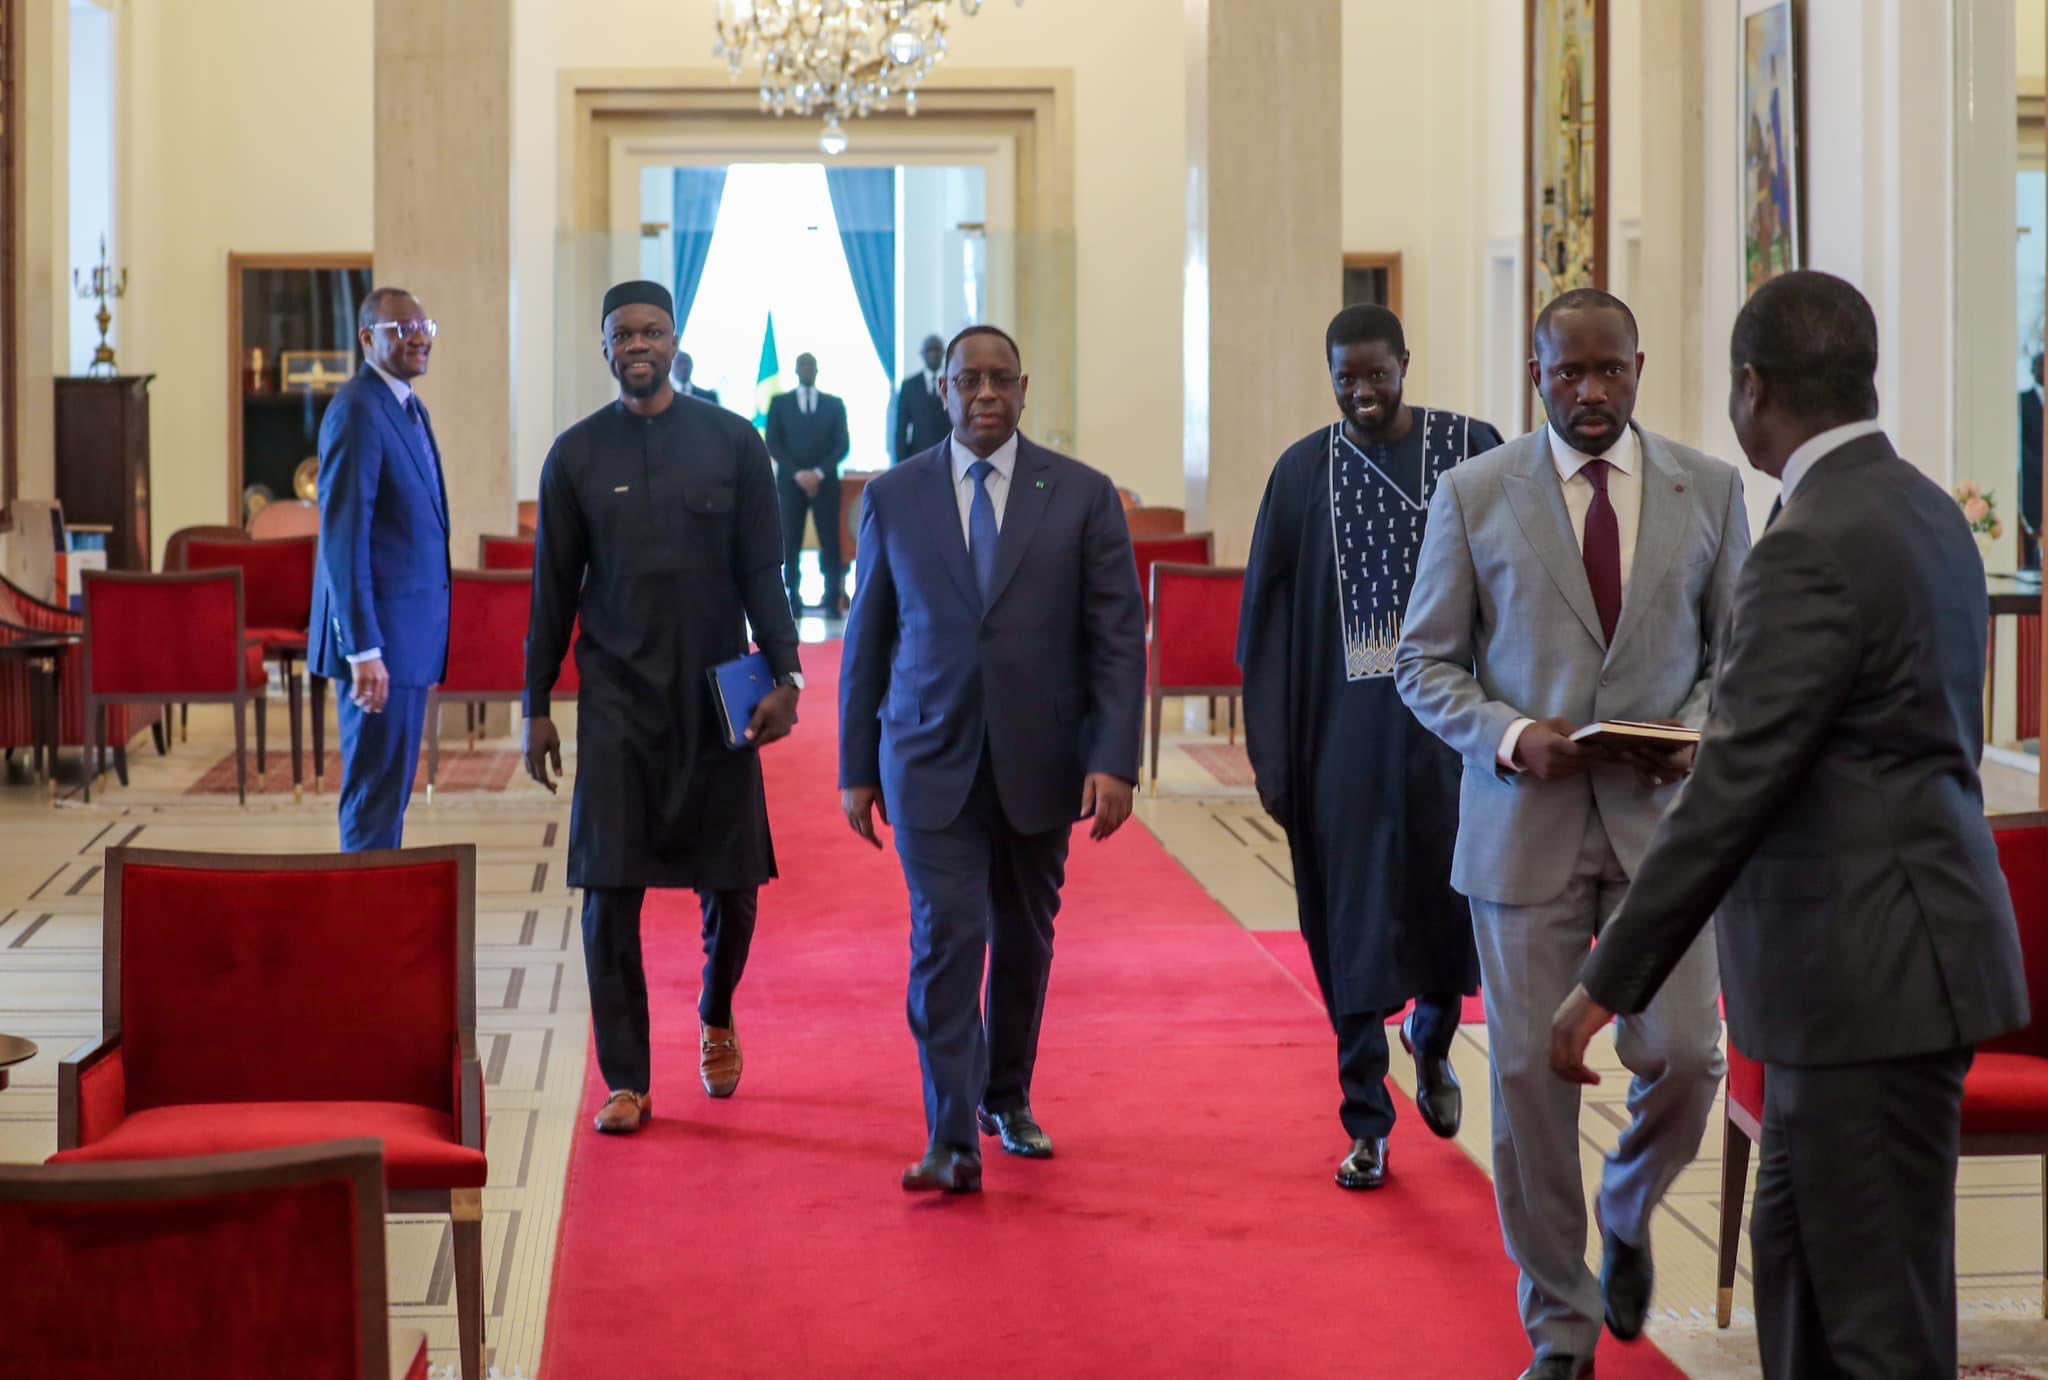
<point>1627,733</point>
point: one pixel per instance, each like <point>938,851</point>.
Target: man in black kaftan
<point>659,528</point>
<point>1368,797</point>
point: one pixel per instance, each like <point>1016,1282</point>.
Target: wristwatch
<point>793,679</point>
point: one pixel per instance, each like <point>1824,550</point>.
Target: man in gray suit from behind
<point>1867,934</point>
<point>1576,574</point>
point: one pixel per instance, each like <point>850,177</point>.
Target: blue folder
<point>738,687</point>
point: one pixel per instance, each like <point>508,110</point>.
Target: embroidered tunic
<point>1370,797</point>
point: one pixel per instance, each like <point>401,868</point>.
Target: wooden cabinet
<point>103,462</point>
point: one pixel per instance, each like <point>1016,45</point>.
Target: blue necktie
<point>419,427</point>
<point>981,528</point>
<point>1777,507</point>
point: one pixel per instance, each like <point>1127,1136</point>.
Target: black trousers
<point>823,510</point>
<point>979,887</point>
<point>1363,1054</point>
<point>618,980</point>
<point>1853,1238</point>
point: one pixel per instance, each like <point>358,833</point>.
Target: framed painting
<point>1768,194</point>
<point>1565,144</point>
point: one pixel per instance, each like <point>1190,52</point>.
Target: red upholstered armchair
<point>251,1002</point>
<point>1193,645</point>
<point>1156,522</point>
<point>23,615</point>
<point>487,621</point>
<point>1183,548</point>
<point>504,553</point>
<point>2005,1097</point>
<point>114,1268</point>
<point>277,590</point>
<point>163,639</point>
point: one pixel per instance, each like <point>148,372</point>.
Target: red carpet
<point>1188,1228</point>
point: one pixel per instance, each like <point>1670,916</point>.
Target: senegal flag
<point>768,380</point>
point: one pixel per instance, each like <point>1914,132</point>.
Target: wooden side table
<point>13,1050</point>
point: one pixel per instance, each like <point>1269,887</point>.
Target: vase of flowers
<point>1980,510</point>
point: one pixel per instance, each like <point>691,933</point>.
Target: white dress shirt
<point>807,400</point>
<point>1624,492</point>
<point>402,391</point>
<point>998,481</point>
<point>1817,448</point>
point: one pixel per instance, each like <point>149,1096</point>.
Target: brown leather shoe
<point>718,1059</point>
<point>625,1112</point>
<point>944,1170</point>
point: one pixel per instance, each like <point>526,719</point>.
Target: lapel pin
<point>1041,483</point>
<point>1679,487</point>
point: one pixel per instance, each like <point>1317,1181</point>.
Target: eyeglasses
<point>408,329</point>
<point>969,382</point>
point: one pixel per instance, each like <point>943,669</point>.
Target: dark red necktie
<point>1603,550</point>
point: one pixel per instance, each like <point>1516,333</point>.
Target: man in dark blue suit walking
<point>380,597</point>
<point>992,691</point>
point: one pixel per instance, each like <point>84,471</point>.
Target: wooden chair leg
<point>319,730</point>
<point>262,698</point>
<point>296,708</point>
<point>184,723</point>
<point>92,720</point>
<point>156,736</point>
<point>242,751</point>
<point>434,738</point>
<point>1734,1186</point>
<point>2044,1236</point>
<point>1158,709</point>
<point>466,1215</point>
<point>1233,718</point>
<point>121,763</point>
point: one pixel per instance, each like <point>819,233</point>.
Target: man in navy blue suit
<point>380,597</point>
<point>992,692</point>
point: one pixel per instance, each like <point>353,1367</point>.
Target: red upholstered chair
<point>23,615</point>
<point>1193,644</point>
<point>227,1263</point>
<point>286,518</point>
<point>174,559</point>
<point>2005,1097</point>
<point>529,516</point>
<point>250,1002</point>
<point>1156,522</point>
<point>161,639</point>
<point>504,553</point>
<point>277,589</point>
<point>487,622</point>
<point>1180,548</point>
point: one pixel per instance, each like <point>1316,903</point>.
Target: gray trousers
<point>1529,959</point>
<point>1854,1233</point>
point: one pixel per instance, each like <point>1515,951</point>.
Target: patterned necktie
<point>981,527</point>
<point>419,427</point>
<point>1603,550</point>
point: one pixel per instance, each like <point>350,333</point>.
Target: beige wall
<point>246,125</point>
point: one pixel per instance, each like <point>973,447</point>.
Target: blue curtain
<point>698,192</point>
<point>864,201</point>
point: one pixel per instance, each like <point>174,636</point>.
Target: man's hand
<point>543,746</point>
<point>1660,766</point>
<point>1546,751</point>
<point>372,687</point>
<point>773,717</point>
<point>1571,1030</point>
<point>810,481</point>
<point>1108,798</point>
<point>862,804</point>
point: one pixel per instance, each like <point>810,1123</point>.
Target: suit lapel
<point>1030,493</point>
<point>1659,527</point>
<point>942,511</point>
<point>439,476</point>
<point>1537,501</point>
<point>408,439</point>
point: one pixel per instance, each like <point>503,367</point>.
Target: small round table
<point>43,654</point>
<point>13,1050</point>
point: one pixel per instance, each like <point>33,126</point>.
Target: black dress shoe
<point>1625,1278</point>
<point>1556,1367</point>
<point>1437,1094</point>
<point>1365,1167</point>
<point>944,1170</point>
<point>1021,1134</point>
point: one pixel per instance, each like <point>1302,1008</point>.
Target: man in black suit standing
<point>679,375</point>
<point>920,419</point>
<point>2030,471</point>
<point>1836,818</point>
<point>807,437</point>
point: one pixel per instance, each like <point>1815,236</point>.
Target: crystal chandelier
<point>840,58</point>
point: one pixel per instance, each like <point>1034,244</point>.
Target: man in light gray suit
<point>1867,935</point>
<point>1576,574</point>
